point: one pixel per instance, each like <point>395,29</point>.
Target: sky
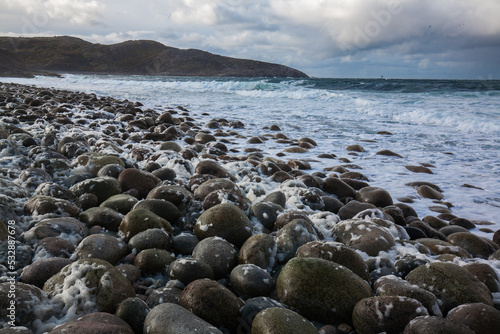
<point>435,39</point>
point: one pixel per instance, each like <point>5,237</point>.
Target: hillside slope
<point>73,55</point>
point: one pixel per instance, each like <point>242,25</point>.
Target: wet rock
<point>442,247</point>
<point>293,235</point>
<point>374,195</point>
<point>101,246</point>
<point>260,250</point>
<point>404,265</point>
<point>338,253</point>
<point>484,273</point>
<point>213,184</point>
<point>437,325</point>
<point>150,238</point>
<point>212,302</point>
<point>122,203</point>
<point>54,247</point>
<point>289,216</point>
<point>95,323</point>
<point>102,186</point>
<point>448,230</point>
<point>352,208</point>
<point>226,221</point>
<point>389,314</point>
<point>184,243</point>
<point>211,167</point>
<point>42,205</point>
<point>55,227</point>
<point>389,153</point>
<point>280,320</point>
<point>479,317</point>
<point>338,187</point>
<point>165,173</point>
<point>87,201</point>
<point>465,223</point>
<point>249,281</point>
<point>321,290</point>
<point>226,196</point>
<point>167,294</point>
<point>27,297</point>
<point>96,161</point>
<point>354,176</point>
<point>102,216</point>
<point>112,170</point>
<point>54,190</point>
<point>132,178</point>
<point>153,260</point>
<point>355,148</point>
<point>364,235</point>
<point>250,310</point>
<point>162,208</point>
<point>139,220</point>
<point>427,230</point>
<point>188,270</point>
<point>130,272</point>
<point>408,211</point>
<point>133,311</point>
<point>451,284</point>
<point>96,282</point>
<point>177,195</point>
<point>419,169</point>
<point>218,253</point>
<point>40,271</point>
<point>428,192</point>
<point>32,177</point>
<point>395,286</point>
<point>471,243</point>
<point>168,318</point>
<point>266,213</point>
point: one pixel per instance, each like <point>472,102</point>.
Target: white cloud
<point>305,33</point>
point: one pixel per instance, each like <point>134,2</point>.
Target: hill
<point>142,57</point>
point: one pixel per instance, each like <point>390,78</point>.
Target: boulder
<point>293,235</point>
<point>188,270</point>
<point>212,302</point>
<point>374,195</point>
<point>385,314</point>
<point>321,290</point>
<point>278,320</point>
<point>101,216</point>
<point>338,253</point>
<point>259,249</point>
<point>249,281</point>
<point>98,285</point>
<point>142,181</point>
<point>481,318</point>
<point>121,203</point>
<point>140,220</point>
<point>226,221</point>
<point>102,186</point>
<point>451,284</point>
<point>218,253</point>
<point>95,323</point>
<point>364,235</point>
<point>168,318</point>
<point>101,246</point>
<point>436,325</point>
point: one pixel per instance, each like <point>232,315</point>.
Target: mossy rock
<point>103,187</point>
<point>98,284</point>
<point>321,290</point>
<point>226,221</point>
<point>122,203</point>
<point>276,320</point>
<point>140,220</point>
<point>451,284</point>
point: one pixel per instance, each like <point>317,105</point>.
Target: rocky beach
<point>123,218</point>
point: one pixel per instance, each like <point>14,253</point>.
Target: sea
<point>451,125</point>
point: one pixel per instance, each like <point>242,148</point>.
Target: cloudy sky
<point>324,38</point>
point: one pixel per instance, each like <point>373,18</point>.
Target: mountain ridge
<point>66,54</point>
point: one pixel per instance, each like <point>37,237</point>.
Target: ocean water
<point>452,125</point>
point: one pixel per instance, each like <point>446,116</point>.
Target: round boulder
<point>226,221</point>
<point>374,195</point>
<point>96,283</point>
<point>481,318</point>
<point>142,181</point>
<point>168,318</point>
<point>94,323</point>
<point>212,302</point>
<point>364,235</point>
<point>153,260</point>
<point>389,314</point>
<point>101,246</point>
<point>188,270</point>
<point>451,284</point>
<point>140,220</point>
<point>259,249</point>
<point>102,186</point>
<point>250,281</point>
<point>150,238</point>
<point>278,320</point>
<point>321,290</point>
<point>218,253</point>
<point>436,325</point>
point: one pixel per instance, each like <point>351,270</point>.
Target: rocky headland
<point>117,218</point>
<point>22,56</point>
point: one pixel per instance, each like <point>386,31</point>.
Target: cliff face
<point>74,55</point>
